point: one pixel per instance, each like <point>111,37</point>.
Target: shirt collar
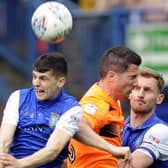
<point>145,125</point>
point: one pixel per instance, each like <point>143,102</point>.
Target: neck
<point>104,85</point>
<point>137,119</point>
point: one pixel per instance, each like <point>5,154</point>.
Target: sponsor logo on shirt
<point>27,114</point>
<point>154,139</point>
<point>90,108</point>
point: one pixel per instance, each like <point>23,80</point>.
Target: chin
<point>139,109</point>
<point>40,98</point>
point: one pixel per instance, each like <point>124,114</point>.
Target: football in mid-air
<point>51,22</point>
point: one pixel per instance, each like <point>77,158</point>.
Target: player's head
<point>150,73</point>
<point>119,66</point>
<point>147,92</point>
<point>49,75</point>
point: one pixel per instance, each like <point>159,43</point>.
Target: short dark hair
<point>51,61</point>
<point>118,59</point>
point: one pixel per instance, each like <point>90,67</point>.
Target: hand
<point>9,161</point>
<point>122,163</point>
<point>122,152</point>
<point>124,155</point>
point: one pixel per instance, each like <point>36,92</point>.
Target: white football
<point>51,22</point>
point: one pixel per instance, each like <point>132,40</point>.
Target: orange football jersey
<point>106,119</point>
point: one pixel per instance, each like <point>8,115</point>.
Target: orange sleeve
<point>94,113</point>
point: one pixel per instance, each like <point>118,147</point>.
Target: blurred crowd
<point>102,5</point>
<point>105,5</point>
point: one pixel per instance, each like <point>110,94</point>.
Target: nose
<point>141,93</point>
<point>35,82</point>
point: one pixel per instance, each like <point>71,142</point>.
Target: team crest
<point>54,117</point>
<point>138,142</point>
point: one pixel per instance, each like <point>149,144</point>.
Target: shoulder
<point>158,133</point>
<point>92,104</point>
<point>26,91</point>
<point>64,96</point>
<point>14,95</point>
<point>158,128</point>
<point>155,142</point>
<point>26,95</point>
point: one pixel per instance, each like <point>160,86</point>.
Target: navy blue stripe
<point>150,151</point>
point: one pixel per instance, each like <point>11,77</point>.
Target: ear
<point>160,98</point>
<point>61,82</point>
<point>111,74</point>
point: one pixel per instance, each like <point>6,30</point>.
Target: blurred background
<point>141,25</point>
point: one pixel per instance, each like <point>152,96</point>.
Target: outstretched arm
<point>55,144</point>
<point>87,136</point>
<point>64,130</point>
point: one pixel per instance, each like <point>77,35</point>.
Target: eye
<point>44,78</point>
<point>136,87</point>
<point>133,77</point>
<point>147,89</point>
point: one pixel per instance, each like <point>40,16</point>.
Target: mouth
<point>140,102</point>
<point>39,92</point>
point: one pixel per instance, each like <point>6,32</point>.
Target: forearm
<point>4,148</point>
<point>6,137</point>
<point>54,146</point>
<point>41,157</point>
<point>87,136</point>
<point>5,143</point>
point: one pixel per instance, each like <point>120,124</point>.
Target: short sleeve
<point>155,142</point>
<point>11,111</point>
<point>69,121</point>
<point>90,112</point>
